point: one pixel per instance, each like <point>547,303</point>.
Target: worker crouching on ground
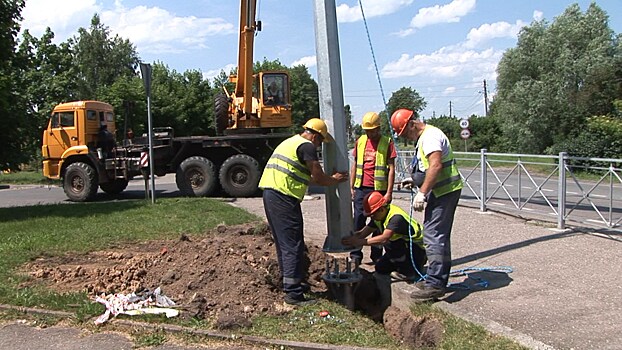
<point>290,169</point>
<point>401,235</point>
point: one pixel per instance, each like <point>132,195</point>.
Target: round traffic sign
<point>464,123</point>
<point>465,133</point>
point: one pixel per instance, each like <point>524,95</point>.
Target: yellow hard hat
<point>371,120</point>
<point>318,125</point>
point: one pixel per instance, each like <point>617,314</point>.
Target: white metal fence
<point>563,188</point>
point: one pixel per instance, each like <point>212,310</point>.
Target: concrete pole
<point>338,198</point>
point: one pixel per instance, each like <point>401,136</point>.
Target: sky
<point>444,50</point>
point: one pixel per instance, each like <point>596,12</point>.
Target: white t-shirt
<point>433,140</point>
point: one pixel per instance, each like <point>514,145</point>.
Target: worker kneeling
<point>401,235</point>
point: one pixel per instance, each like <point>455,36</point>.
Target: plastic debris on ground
<point>145,302</point>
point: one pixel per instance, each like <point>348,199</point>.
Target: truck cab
<point>73,130</point>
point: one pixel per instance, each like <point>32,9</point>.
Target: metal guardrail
<point>542,186</point>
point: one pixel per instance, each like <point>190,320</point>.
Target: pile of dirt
<point>230,274</point>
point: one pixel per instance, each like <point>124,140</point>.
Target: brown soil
<point>228,275</point>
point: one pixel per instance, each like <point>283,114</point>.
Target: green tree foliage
<point>556,77</point>
<point>12,104</point>
<point>406,97</point>
<point>305,100</point>
<point>183,101</point>
<point>101,60</point>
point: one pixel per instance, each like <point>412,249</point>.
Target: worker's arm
<point>353,176</point>
<point>390,181</point>
<point>357,240</point>
<point>431,174</point>
<point>318,176</point>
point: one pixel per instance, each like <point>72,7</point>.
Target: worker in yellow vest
<point>401,235</point>
<point>292,166</point>
<point>438,194</point>
<point>373,169</point>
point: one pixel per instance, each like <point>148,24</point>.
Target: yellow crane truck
<point>72,152</point>
<point>73,149</point>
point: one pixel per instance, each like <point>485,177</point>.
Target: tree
<point>12,142</point>
<point>406,97</point>
<point>101,60</point>
<point>556,77</point>
<point>305,100</point>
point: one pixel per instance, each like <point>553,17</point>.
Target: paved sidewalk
<point>565,290</point>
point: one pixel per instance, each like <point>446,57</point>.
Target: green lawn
<point>44,230</point>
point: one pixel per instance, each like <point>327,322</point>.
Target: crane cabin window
<point>62,120</point>
<point>275,92</point>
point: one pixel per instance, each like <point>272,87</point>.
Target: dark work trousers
<point>360,220</point>
<point>438,220</point>
<point>398,258</point>
<point>284,216</point>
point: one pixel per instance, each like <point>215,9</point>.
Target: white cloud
<point>538,15</point>
<point>372,8</point>
<point>450,90</point>
<point>447,62</point>
<point>488,31</point>
<point>155,30</point>
<point>449,13</point>
<point>308,61</point>
<point>63,17</point>
<point>210,74</point>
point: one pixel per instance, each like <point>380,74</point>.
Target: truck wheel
<point>196,177</point>
<point>239,175</point>
<point>221,112</point>
<point>114,187</point>
<point>80,182</point>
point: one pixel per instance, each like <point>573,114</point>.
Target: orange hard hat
<point>372,202</point>
<point>400,119</point>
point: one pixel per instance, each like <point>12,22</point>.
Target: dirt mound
<point>229,275</point>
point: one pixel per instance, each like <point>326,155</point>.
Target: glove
<point>419,201</point>
<point>407,183</point>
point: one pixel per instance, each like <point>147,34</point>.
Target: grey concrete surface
<point>564,291</point>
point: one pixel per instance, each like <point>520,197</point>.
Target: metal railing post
<point>561,192</point>
<point>483,178</point>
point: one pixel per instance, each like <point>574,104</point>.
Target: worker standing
<point>440,189</point>
<point>373,169</point>
<point>401,235</point>
<point>290,169</point>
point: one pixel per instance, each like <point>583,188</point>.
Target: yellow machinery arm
<point>248,26</point>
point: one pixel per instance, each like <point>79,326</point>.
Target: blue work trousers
<point>284,216</point>
<point>360,220</point>
<point>438,220</point>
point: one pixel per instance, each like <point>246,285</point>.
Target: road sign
<point>465,133</point>
<point>464,123</point>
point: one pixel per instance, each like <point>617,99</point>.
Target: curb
<point>193,331</point>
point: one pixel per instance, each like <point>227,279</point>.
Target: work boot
<point>420,284</point>
<point>299,301</point>
<point>427,293</point>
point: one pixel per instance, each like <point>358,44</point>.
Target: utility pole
<point>485,98</point>
<point>450,109</point>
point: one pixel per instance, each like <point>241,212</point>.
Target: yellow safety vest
<point>284,172</point>
<point>381,170</point>
<point>417,231</point>
<point>449,178</point>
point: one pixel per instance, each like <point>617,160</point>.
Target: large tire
<point>196,177</point>
<point>221,112</point>
<point>80,182</point>
<point>239,175</point>
<point>114,187</point>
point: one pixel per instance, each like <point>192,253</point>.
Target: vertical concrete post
<point>335,154</point>
<point>561,192</point>
<point>483,179</point>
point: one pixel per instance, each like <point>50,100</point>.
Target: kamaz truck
<point>73,152</point>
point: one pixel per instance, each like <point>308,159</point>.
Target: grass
<point>25,178</point>
<point>47,230</point>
